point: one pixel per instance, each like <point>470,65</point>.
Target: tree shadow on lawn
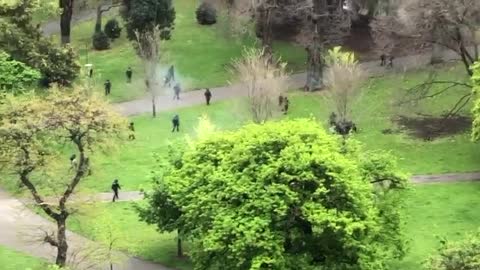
<point>428,127</point>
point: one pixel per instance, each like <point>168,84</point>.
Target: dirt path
<point>191,98</point>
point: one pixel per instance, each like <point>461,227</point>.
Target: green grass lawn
<point>436,210</point>
<point>13,260</point>
<point>201,54</point>
<point>132,162</point>
<point>132,235</point>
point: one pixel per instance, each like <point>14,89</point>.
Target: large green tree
<point>20,38</point>
<point>15,75</point>
<point>284,195</point>
<point>143,16</point>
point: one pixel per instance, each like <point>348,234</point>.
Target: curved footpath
<point>18,224</point>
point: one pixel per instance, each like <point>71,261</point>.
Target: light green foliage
<point>476,108</point>
<point>14,75</point>
<point>462,255</point>
<point>283,195</point>
<point>25,43</point>
<point>33,132</point>
<point>343,79</point>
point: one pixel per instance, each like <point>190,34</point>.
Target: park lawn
<point>133,160</point>
<point>133,236</point>
<point>201,54</point>
<point>432,211</point>
<point>14,260</point>
<point>435,211</point>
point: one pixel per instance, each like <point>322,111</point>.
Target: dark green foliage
<point>144,15</point>
<point>113,29</point>
<point>280,196</point>
<point>206,14</point>
<point>14,75</point>
<point>100,41</point>
<point>25,43</point>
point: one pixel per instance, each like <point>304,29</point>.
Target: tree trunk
<point>179,245</point>
<point>62,247</point>
<point>154,108</point>
<point>65,19</point>
<point>98,21</point>
<point>315,59</point>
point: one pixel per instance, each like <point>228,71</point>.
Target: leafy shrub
<point>112,29</point>
<point>100,41</point>
<point>206,14</point>
<point>15,75</point>
<point>463,254</point>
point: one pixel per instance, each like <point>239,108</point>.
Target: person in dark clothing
<point>131,127</point>
<point>208,96</point>
<point>176,123</point>
<point>286,102</point>
<point>390,61</point>
<point>129,74</point>
<point>280,101</point>
<point>332,120</point>
<point>73,162</point>
<point>176,90</point>
<point>115,187</point>
<point>108,87</point>
<point>170,76</point>
<point>90,73</point>
<point>383,60</point>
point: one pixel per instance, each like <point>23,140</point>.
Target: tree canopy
<point>282,195</point>
<point>25,43</point>
<point>35,132</point>
<point>145,15</point>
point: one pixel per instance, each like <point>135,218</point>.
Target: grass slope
<point>201,54</point>
<point>13,260</point>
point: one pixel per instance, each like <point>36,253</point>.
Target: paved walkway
<point>166,103</point>
<point>53,26</point>
<point>19,227</point>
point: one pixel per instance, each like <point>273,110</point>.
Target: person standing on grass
<point>286,103</point>
<point>131,127</point>
<point>383,60</point>
<point>208,96</point>
<point>108,87</point>
<point>176,123</point>
<point>129,74</point>
<point>176,90</point>
<point>115,187</point>
<point>390,61</point>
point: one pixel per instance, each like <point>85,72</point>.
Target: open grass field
<point>433,211</point>
<point>132,161</point>
<point>13,260</point>
<point>373,113</point>
<point>201,54</point>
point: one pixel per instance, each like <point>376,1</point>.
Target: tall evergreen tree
<point>144,16</point>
